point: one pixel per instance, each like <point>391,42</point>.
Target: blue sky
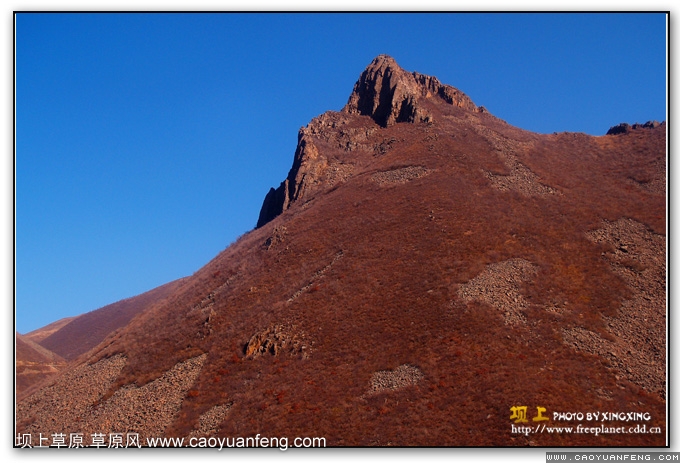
<point>145,143</point>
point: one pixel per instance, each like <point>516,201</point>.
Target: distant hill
<point>425,275</point>
<point>34,364</point>
<point>41,333</point>
<point>80,334</point>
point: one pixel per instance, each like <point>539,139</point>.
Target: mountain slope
<point>424,269</point>
<point>34,364</point>
<point>47,330</point>
<point>86,331</point>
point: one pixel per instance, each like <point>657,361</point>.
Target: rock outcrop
<point>386,93</point>
<point>624,127</point>
<point>390,95</point>
<point>277,340</point>
<point>305,175</point>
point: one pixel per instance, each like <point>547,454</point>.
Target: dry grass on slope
<point>430,271</point>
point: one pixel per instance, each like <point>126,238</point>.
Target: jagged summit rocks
<point>388,95</point>
<point>624,127</point>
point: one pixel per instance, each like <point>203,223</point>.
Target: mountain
<point>427,275</point>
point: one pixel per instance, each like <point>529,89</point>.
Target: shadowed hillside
<point>47,330</point>
<point>34,364</point>
<point>84,332</point>
<point>423,272</point>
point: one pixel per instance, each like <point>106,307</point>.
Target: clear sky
<point>145,143</point>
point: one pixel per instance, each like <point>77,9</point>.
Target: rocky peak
<point>626,128</point>
<point>389,94</point>
<point>386,93</point>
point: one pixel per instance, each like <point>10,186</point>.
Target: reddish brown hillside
<point>424,272</point>
<point>87,330</point>
<point>34,364</point>
<point>47,330</point>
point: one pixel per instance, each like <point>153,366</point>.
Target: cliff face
<point>384,92</point>
<point>306,173</point>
